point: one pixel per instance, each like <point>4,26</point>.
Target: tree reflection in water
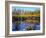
<point>18,25</point>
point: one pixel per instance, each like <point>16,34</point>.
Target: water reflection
<point>18,24</point>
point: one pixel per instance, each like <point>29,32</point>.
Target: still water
<point>24,26</point>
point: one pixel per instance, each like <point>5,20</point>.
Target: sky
<point>25,8</point>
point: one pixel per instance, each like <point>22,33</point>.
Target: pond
<point>24,26</point>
